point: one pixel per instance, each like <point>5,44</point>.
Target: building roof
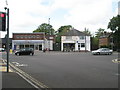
<point>31,33</point>
<point>74,32</point>
<point>106,35</point>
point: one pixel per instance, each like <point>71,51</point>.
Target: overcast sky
<point>27,15</point>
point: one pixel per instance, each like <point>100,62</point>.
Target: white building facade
<point>37,41</point>
<point>75,41</point>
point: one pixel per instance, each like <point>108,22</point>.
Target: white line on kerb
<point>27,80</point>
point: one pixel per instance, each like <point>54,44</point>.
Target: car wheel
<point>31,54</point>
<point>18,54</point>
<point>98,53</point>
<point>109,53</point>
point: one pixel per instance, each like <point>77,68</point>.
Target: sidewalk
<point>12,79</point>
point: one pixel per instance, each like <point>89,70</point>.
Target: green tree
<point>99,32</point>
<point>94,42</point>
<point>86,31</point>
<point>114,23</point>
<point>114,26</point>
<point>47,28</point>
<point>61,31</point>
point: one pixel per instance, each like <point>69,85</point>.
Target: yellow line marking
<point>4,69</point>
<point>116,60</point>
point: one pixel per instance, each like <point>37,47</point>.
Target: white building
<point>37,41</point>
<point>75,40</point>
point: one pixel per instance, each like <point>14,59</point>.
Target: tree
<point>61,31</point>
<point>99,32</point>
<point>114,26</point>
<point>114,23</point>
<point>86,31</point>
<point>47,28</point>
<point>94,43</point>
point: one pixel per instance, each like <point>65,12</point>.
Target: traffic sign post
<point>7,15</point>
<point>2,21</point>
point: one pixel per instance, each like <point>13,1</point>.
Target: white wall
<point>76,40</point>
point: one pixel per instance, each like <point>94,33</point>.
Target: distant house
<point>75,40</point>
<point>105,40</point>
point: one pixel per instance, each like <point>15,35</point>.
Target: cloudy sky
<point>27,15</point>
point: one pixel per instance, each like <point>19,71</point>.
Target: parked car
<point>106,51</point>
<point>25,51</point>
<point>2,49</point>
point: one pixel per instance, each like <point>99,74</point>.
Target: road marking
<point>27,80</point>
<point>117,60</point>
<point>19,65</point>
<point>28,77</point>
<point>3,67</point>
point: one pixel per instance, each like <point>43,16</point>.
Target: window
<point>25,36</point>
<point>68,37</point>
<point>82,37</point>
<point>17,37</point>
<point>82,44</point>
<point>21,37</point>
<point>50,37</point>
<point>38,36</point>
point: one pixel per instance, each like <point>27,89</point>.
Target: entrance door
<point>79,46</point>
<point>40,47</point>
<point>36,47</point>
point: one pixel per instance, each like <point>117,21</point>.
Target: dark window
<point>82,44</point>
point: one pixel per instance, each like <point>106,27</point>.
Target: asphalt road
<point>70,70</point>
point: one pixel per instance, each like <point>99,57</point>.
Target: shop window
<point>17,37</point>
<point>82,44</point>
<point>81,37</point>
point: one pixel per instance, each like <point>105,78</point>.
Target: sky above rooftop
<point>27,15</point>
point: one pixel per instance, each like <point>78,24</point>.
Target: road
<point>69,69</point>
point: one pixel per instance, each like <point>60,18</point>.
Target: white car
<point>102,51</point>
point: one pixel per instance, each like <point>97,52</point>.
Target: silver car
<point>106,51</point>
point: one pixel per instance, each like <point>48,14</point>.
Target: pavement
<point>12,79</point>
